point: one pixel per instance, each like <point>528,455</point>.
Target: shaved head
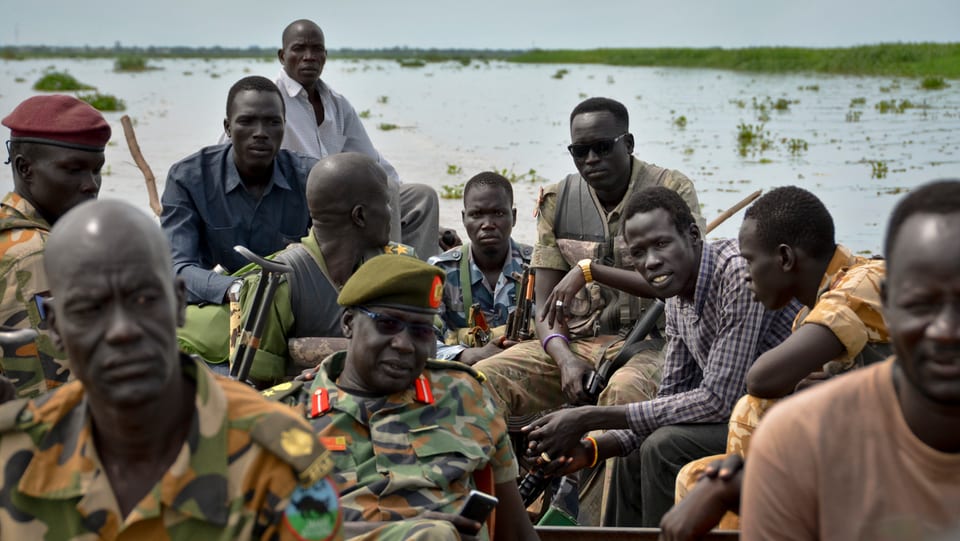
<point>297,27</point>
<point>100,233</point>
<point>348,191</point>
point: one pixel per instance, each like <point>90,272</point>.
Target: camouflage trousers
<point>417,530</point>
<point>525,379</point>
<point>744,419</point>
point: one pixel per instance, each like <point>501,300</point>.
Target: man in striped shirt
<point>714,331</point>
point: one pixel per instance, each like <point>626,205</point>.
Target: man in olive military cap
<point>409,436</point>
<point>147,443</point>
<point>56,153</point>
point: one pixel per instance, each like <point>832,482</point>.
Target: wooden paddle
<point>148,178</point>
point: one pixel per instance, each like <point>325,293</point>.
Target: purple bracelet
<point>551,337</point>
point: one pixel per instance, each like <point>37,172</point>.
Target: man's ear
<point>628,141</point>
<point>226,127</point>
<point>346,323</point>
<point>358,214</point>
<point>180,290</point>
<point>23,166</point>
<point>694,233</point>
<point>280,54</point>
<point>884,294</point>
<point>787,257</point>
<point>513,214</point>
<point>50,308</point>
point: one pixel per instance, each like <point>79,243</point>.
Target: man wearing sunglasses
<point>409,436</point>
<point>579,222</point>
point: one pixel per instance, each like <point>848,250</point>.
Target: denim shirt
<point>207,211</point>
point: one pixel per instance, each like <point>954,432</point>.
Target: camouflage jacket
<point>37,366</point>
<point>249,469</point>
<point>496,304</point>
<point>400,455</point>
<point>848,303</point>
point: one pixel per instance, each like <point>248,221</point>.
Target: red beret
<point>59,120</point>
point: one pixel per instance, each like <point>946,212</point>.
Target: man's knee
<point>630,384</point>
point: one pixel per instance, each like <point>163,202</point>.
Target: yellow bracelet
<point>584,265</point>
<point>596,450</point>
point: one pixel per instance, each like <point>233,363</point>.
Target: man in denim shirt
<point>247,192</point>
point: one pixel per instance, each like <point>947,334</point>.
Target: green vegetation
<point>894,59</point>
<point>795,146</point>
<point>560,73</point>
<point>58,81</point>
<point>132,63</point>
<point>19,80</point>
<point>888,59</point>
<point>382,100</point>
<point>386,126</point>
<point>452,191</point>
<point>530,176</point>
<point>879,169</point>
<point>891,106</point>
<point>811,88</point>
<point>364,114</point>
<point>752,139</point>
<point>103,102</point>
<point>858,101</point>
<point>680,122</point>
<point>853,116</point>
<point>454,169</point>
<point>411,63</point>
<point>933,83</point>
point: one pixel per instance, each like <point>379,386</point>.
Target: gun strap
<point>466,284</point>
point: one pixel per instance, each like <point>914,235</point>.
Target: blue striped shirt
<point>711,342</point>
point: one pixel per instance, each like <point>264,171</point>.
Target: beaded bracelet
<point>596,450</point>
<point>551,337</point>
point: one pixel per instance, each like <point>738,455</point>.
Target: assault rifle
<point>597,379</point>
<point>479,327</point>
<point>271,273</point>
<point>518,322</point>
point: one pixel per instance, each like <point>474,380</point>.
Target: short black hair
<point>257,83</point>
<point>937,197</point>
<point>594,105</point>
<point>795,217</point>
<point>658,197</point>
<point>490,179</point>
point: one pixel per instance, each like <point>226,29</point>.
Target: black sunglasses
<point>601,148</point>
<point>390,325</point>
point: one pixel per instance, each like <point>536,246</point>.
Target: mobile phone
<point>478,506</point>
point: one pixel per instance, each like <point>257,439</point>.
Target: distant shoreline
<point>888,59</point>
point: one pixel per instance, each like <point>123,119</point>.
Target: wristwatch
<point>233,292</point>
<point>584,265</point>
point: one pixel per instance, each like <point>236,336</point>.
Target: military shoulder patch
<point>440,364</point>
<point>295,443</point>
<point>285,392</point>
<point>313,513</point>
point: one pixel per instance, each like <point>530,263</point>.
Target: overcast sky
<point>485,24</point>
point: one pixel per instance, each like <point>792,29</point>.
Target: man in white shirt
<point>321,122</point>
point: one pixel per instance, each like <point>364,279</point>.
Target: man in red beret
<point>56,152</point>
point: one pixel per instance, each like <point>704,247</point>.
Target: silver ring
<point>544,456</point>
<point>559,303</point>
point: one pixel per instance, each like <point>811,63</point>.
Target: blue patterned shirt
<point>496,302</point>
<point>711,342</point>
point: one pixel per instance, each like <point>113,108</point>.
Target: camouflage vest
<point>312,297</point>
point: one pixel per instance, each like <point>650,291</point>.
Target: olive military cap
<point>395,281</point>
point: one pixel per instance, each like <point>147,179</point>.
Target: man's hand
<point>564,293</point>
<point>468,528</point>
<point>556,433</point>
<point>717,492</point>
<point>579,457</point>
<point>472,356</point>
<point>573,372</point>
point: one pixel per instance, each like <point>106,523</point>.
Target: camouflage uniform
<point>526,379</point>
<point>848,303</point>
<point>496,304</point>
<point>248,470</point>
<point>207,331</point>
<point>414,451</point>
<point>38,366</point>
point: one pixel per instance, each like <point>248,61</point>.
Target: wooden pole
<point>733,210</point>
<point>148,178</point>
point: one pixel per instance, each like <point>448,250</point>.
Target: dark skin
<point>667,262</point>
<point>347,196</point>
<point>255,125</point>
<point>776,277</point>
<point>489,217</point>
<point>921,305</point>
<point>55,179</point>
<point>303,55</point>
<point>717,492</point>
<point>609,176</point>
<point>386,364</point>
<point>115,313</point>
